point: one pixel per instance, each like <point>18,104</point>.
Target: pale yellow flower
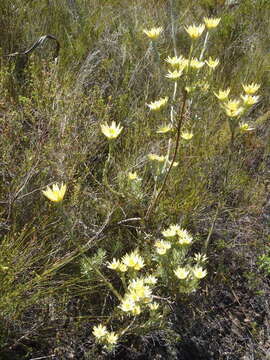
<point>181,273</point>
<point>112,338</point>
<point>245,127</point>
<point>223,94</point>
<point>153,306</point>
<point>211,23</point>
<point>55,194</point>
<point>212,63</point>
<point>133,260</point>
<point>151,280</point>
<point>136,310</point>
<point>164,129</point>
<point>199,273</point>
<point>196,64</point>
<point>200,258</point>
<point>114,265</point>
<point>171,231</point>
<point>132,176</point>
<point>153,33</point>
<point>177,61</point>
<point>249,100</point>
<point>99,331</point>
<point>251,88</point>
<point>127,304</point>
<point>174,75</point>
<point>162,246</point>
<point>156,105</point>
<point>186,135</point>
<point>155,157</point>
<point>138,290</point>
<point>195,31</point>
<point>233,108</point>
<point>122,267</point>
<point>184,238</point>
<point>111,132</point>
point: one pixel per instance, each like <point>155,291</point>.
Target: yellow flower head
<point>177,61</point>
<point>151,280</point>
<point>195,31</point>
<point>162,246</point>
<point>153,33</point>
<point>251,88</point>
<point>233,108</point>
<point>153,306</point>
<point>111,132</point>
<point>186,135</point>
<point>196,64</point>
<point>99,331</point>
<point>114,265</point>
<point>249,100</point>
<point>184,238</point>
<point>223,94</point>
<point>127,304</point>
<point>133,260</point>
<point>112,338</point>
<point>181,273</point>
<point>174,75</point>
<point>154,157</point>
<point>136,310</point>
<point>55,194</point>
<point>171,231</point>
<point>156,105</point>
<point>122,267</point>
<point>212,63</point>
<point>211,23</point>
<point>243,127</point>
<point>199,273</point>
<point>200,258</point>
<point>132,176</point>
<point>164,129</point>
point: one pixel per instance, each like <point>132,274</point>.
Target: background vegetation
<point>50,132</point>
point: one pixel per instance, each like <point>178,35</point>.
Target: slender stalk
<point>204,45</point>
<point>180,122</point>
<point>172,5</point>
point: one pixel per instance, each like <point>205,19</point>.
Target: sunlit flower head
<point>138,290</point>
<point>196,64</point>
<point>212,63</point>
<point>162,246</point>
<point>223,94</point>
<point>174,75</point>
<point>55,193</point>
<point>153,33</point>
<point>251,88</point>
<point>155,157</point>
<point>243,127</point>
<point>111,132</point>
<point>200,258</point>
<point>114,265</point>
<point>112,338</point>
<point>211,23</point>
<point>233,108</point>
<point>153,306</point>
<point>122,267</point>
<point>195,31</point>
<point>186,135</point>
<point>127,304</point>
<point>133,260</point>
<point>181,273</point>
<point>184,237</point>
<point>136,310</point>
<point>156,105</point>
<point>132,176</point>
<point>164,129</point>
<point>99,331</point>
<point>249,100</point>
<point>151,280</point>
<point>199,273</point>
<point>177,61</point>
<point>171,231</point>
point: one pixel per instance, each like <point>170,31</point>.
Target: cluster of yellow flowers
<point>104,336</point>
<point>138,296</point>
<point>132,261</point>
<point>234,108</point>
